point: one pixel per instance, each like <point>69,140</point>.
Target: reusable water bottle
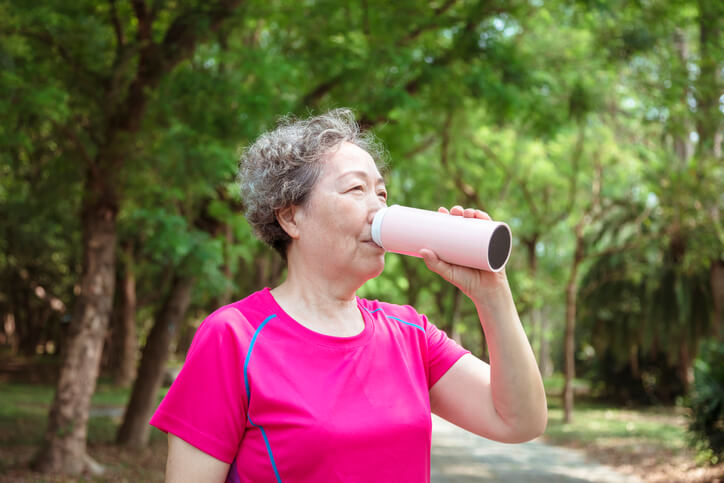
<point>471,242</point>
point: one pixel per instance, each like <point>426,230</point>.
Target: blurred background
<point>592,127</point>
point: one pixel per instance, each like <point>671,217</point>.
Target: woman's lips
<point>372,243</point>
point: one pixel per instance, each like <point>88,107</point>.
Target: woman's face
<point>335,223</point>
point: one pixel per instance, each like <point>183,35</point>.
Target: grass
<point>24,412</point>
<point>23,419</point>
<point>652,442</point>
<point>662,428</point>
<point>596,423</point>
<point>554,385</point>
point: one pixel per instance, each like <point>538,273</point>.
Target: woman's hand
<point>476,284</point>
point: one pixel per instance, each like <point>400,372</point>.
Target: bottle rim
<point>377,225</point>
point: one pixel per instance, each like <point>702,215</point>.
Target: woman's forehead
<point>348,160</point>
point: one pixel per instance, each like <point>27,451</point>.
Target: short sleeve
<point>442,352</point>
<point>206,404</point>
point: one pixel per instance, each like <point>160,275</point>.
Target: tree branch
<point>520,182</point>
<point>144,21</point>
<point>457,50</point>
<point>470,193</point>
<point>365,18</point>
<point>158,59</point>
<point>422,147</point>
<point>117,28</point>
<point>76,141</point>
<point>414,34</point>
<point>46,38</point>
<point>573,181</point>
<point>322,89</point>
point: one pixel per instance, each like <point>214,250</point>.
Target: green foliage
<point>707,401</point>
<point>518,108</point>
<point>624,308</point>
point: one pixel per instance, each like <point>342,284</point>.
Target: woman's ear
<point>287,219</point>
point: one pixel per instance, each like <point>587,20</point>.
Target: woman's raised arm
<point>505,400</point>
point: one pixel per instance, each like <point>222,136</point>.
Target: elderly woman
<point>307,381</point>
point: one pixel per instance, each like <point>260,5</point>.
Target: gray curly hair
<point>282,166</point>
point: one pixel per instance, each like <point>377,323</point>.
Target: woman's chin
<point>377,270</point>
<point>367,270</point>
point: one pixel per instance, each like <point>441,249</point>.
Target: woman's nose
<point>374,206</point>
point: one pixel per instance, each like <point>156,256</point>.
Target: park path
<point>462,457</point>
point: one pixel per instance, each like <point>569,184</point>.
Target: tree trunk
<point>633,358</point>
<point>546,367</point>
<point>709,126</point>
<point>267,268</point>
<point>709,85</point>
<point>184,338</point>
<point>413,287</point>
<point>123,369</point>
<point>135,430</point>
<point>484,355</point>
<point>686,372</point>
<point>454,316</point>
<point>64,446</point>
<point>570,342</point>
<point>27,337</point>
<point>683,147</point>
<point>225,297</point>
<point>9,337</point>
<point>28,319</point>
<point>717,290</point>
<point>536,329</point>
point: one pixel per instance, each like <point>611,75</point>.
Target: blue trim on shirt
<point>395,318</point>
<point>268,449</point>
<point>246,383</point>
<point>251,348</point>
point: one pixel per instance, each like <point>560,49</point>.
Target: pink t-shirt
<point>280,402</point>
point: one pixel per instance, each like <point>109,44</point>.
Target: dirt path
<point>462,457</point>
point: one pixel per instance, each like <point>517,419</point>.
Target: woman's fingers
<point>434,263</point>
<point>482,215</point>
<point>458,210</point>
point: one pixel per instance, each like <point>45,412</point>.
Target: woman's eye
<point>357,188</point>
<point>382,194</point>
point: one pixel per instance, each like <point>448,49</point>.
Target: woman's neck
<point>321,305</point>
<point>319,284</point>
<point>319,296</point>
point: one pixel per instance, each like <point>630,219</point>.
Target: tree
<point>657,336</point>
<point>109,103</point>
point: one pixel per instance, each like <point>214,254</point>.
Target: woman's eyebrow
<point>361,174</point>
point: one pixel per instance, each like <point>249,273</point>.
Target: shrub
<point>707,401</point>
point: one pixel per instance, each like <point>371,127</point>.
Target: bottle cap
<point>377,225</point>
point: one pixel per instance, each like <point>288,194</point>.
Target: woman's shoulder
<point>231,328</point>
<point>247,313</point>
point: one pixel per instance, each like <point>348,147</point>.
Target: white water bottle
<point>471,242</point>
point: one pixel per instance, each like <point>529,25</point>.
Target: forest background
<point>594,128</point>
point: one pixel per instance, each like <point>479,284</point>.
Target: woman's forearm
<point>516,384</point>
